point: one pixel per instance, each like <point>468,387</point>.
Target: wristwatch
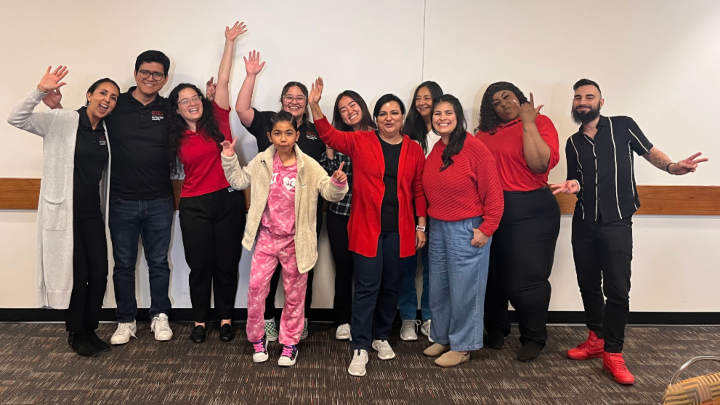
<point>420,228</point>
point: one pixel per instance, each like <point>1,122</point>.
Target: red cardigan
<point>364,148</point>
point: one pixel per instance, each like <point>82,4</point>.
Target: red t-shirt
<point>201,160</point>
<point>506,146</point>
<point>468,188</point>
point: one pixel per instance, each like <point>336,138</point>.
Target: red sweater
<point>468,188</point>
<point>200,157</point>
<point>506,146</point>
<point>364,148</point>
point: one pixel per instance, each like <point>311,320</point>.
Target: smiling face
<point>189,105</point>
<point>390,119</point>
<point>444,119</point>
<point>153,83</point>
<point>423,101</point>
<point>350,111</point>
<point>102,101</point>
<point>586,105</point>
<point>283,136</point>
<point>294,101</point>
<point>506,105</point>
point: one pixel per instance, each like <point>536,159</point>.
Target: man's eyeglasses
<point>289,98</point>
<point>145,74</point>
<point>186,101</point>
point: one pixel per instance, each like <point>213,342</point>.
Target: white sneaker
<point>408,330</point>
<point>357,365</point>
<point>123,332</point>
<point>343,332</point>
<point>385,352</point>
<point>425,330</point>
<point>161,328</point>
<point>305,331</point>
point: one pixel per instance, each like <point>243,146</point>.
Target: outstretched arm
<point>242,106</point>
<point>222,92</point>
<point>660,160</point>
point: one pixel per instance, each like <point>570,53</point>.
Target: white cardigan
<point>55,206</point>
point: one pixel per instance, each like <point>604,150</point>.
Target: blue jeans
<point>407,301</point>
<point>458,275</point>
<point>151,219</point>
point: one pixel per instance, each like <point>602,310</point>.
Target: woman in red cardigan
<point>387,184</point>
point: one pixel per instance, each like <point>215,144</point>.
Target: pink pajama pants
<point>270,249</point>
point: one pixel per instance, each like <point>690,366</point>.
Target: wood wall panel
<point>655,200</point>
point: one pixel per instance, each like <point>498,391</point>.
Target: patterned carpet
<point>38,367</point>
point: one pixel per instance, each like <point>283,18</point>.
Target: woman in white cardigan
<point>71,243</point>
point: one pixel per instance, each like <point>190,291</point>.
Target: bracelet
<point>667,168</point>
<point>420,228</point>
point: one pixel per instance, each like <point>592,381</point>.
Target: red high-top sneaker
<point>614,364</point>
<point>593,347</point>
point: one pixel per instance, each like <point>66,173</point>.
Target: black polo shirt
<point>309,141</point>
<point>91,157</point>
<point>604,168</point>
<point>140,160</point>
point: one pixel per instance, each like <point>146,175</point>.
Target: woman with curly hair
<point>212,214</point>
<point>525,146</point>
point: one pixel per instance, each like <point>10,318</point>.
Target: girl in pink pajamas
<point>281,224</point>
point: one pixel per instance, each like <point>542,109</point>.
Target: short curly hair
<point>488,119</point>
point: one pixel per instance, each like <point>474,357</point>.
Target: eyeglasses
<point>186,101</point>
<point>145,74</point>
<point>289,98</point>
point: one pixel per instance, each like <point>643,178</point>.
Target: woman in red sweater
<point>212,214</point>
<point>465,206</point>
<point>525,146</point>
<point>387,179</point>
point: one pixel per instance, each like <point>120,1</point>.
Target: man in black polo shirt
<point>600,171</point>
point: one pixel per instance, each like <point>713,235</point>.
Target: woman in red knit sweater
<point>387,179</point>
<point>465,206</point>
<point>525,146</point>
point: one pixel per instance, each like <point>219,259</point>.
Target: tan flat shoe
<point>436,350</point>
<point>452,359</point>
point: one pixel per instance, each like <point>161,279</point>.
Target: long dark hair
<point>366,122</point>
<point>488,119</point>
<point>304,90</point>
<point>414,126</point>
<point>176,124</point>
<point>95,85</point>
<point>457,137</point>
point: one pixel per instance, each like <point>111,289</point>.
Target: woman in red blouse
<point>525,146</point>
<point>387,179</point>
<point>212,214</point>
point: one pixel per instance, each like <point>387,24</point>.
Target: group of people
<point>402,186</point>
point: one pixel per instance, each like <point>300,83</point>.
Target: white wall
<point>655,61</point>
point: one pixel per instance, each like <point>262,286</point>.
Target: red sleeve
<point>489,189</point>
<point>417,186</point>
<point>550,135</point>
<point>222,116</point>
<point>343,142</point>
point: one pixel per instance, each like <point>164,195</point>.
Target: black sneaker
<point>81,344</point>
<point>97,342</point>
<point>529,352</point>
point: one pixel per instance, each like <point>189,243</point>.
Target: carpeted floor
<point>38,367</point>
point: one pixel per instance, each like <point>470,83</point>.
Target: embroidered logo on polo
<point>311,135</point>
<point>158,115</point>
<point>101,140</point>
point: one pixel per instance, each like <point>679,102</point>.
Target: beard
<point>587,116</point>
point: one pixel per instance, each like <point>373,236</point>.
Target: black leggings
<point>521,259</point>
<point>90,270</point>
<point>344,266</point>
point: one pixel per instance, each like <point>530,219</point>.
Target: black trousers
<point>602,253</point>
<point>212,229</point>
<point>90,271</point>
<point>344,266</point>
<point>275,280</point>
<point>377,283</point>
<point>521,259</point>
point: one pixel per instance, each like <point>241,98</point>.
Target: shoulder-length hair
<point>488,120</point>
<point>366,122</point>
<point>457,137</point>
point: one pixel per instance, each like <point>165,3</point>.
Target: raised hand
<point>686,166</point>
<point>210,89</point>
<point>52,81</point>
<point>479,239</point>
<point>237,29</point>
<point>528,111</point>
<point>53,99</point>
<point>252,63</point>
<point>339,175</point>
<point>567,187</point>
<point>316,91</point>
<point>229,147</point>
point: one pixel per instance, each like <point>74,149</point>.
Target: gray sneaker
<point>343,332</point>
<point>123,333</point>
<point>357,365</point>
<point>408,330</point>
<point>385,352</point>
<point>425,330</point>
<point>305,331</point>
